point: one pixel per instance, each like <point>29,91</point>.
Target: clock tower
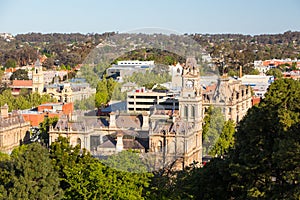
<point>37,78</point>
<point>190,111</point>
<point>190,101</point>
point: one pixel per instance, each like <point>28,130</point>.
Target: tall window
<point>79,142</point>
<point>186,111</point>
<point>160,146</point>
<point>193,111</point>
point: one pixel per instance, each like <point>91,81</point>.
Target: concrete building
<point>128,67</point>
<point>179,141</point>
<point>13,130</point>
<point>141,100</point>
<point>176,72</point>
<point>166,128</point>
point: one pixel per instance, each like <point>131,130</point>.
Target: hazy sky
<point>189,16</point>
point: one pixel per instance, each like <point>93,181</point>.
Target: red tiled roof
<point>22,82</point>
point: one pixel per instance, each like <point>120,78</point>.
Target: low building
<point>128,67</point>
<point>70,92</point>
<point>37,116</point>
<point>141,100</point>
<point>259,84</point>
<point>14,130</point>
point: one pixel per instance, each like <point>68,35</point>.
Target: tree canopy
<point>24,101</point>
<point>85,177</point>
<point>217,134</point>
<point>19,74</point>
<point>29,175</point>
<point>264,161</point>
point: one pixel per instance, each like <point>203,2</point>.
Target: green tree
<point>10,63</point>
<point>104,91</point>
<point>254,72</point>
<point>111,85</point>
<point>225,140</point>
<point>265,160</point>
<point>85,177</point>
<point>148,77</point>
<point>128,161</point>
<point>44,129</point>
<point>19,74</point>
<point>117,94</point>
<point>102,96</point>
<point>32,175</point>
<point>275,72</point>
<point>85,104</point>
<point>212,129</point>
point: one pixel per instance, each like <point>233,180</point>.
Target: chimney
<point>119,146</point>
<point>145,121</point>
<point>4,111</point>
<point>241,72</point>
<point>112,120</point>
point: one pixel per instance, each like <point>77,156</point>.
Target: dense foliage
<point>262,164</point>
<point>217,134</point>
<point>85,177</point>
<point>24,101</point>
<point>29,174</point>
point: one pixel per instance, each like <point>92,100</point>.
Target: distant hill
<point>72,48</point>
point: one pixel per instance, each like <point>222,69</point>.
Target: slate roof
<point>128,121</point>
<point>12,120</point>
<point>86,122</point>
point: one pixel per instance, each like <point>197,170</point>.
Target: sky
<point>189,16</point>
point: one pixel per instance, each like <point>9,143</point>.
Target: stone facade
<point>13,129</point>
<point>70,92</point>
<point>179,142</point>
<point>231,96</point>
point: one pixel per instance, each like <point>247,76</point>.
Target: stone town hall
<point>163,138</point>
